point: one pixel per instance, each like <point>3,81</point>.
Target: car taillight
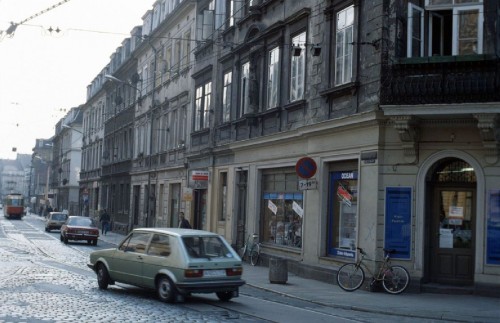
<point>238,271</point>
<point>193,273</point>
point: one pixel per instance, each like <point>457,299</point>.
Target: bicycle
<point>251,250</point>
<point>395,279</point>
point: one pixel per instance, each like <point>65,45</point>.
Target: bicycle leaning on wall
<point>251,250</point>
<point>395,279</point>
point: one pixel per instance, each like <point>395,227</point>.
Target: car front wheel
<point>224,296</point>
<point>166,290</point>
<point>102,276</point>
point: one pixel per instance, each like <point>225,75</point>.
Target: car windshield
<point>58,217</point>
<point>206,247</point>
<point>81,222</point>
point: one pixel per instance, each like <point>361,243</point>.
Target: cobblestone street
<point>43,280</point>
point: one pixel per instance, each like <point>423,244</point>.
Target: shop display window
<point>343,214</point>
<point>282,210</point>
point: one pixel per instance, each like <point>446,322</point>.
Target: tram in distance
<point>13,206</point>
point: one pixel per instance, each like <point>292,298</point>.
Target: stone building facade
<point>325,126</point>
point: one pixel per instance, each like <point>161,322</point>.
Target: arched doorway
<point>451,217</point>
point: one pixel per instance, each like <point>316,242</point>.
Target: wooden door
<point>453,235</point>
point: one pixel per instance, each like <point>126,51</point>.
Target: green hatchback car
<point>174,262</point>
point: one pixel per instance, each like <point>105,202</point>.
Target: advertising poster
<point>398,221</point>
<point>493,229</point>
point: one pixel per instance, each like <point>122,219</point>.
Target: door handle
<point>139,257</point>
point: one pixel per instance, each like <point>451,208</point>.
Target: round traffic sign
<point>305,167</point>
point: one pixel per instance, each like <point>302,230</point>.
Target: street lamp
<point>69,127</point>
<point>117,80</point>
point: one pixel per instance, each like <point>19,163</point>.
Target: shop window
<point>342,221</point>
<point>282,209</point>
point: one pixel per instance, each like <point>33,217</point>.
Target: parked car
<point>175,262</point>
<point>79,228</point>
<point>55,220</point>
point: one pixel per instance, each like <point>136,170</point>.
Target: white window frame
<point>298,68</point>
<point>273,78</point>
<point>411,10</point>
<point>202,106</point>
<point>226,96</point>
<point>456,9</point>
<point>207,104</point>
<point>340,62</point>
<point>244,88</point>
<point>480,21</point>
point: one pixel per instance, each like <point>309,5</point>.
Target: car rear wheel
<point>102,276</point>
<point>166,290</point>
<point>224,296</point>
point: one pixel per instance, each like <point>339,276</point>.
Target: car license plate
<point>214,273</point>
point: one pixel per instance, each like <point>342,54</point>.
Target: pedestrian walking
<point>104,222</point>
<point>183,222</point>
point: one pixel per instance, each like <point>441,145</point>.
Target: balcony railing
<point>442,80</point>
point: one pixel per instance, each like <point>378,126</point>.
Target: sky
<point>44,73</point>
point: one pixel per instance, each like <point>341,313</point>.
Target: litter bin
<point>278,271</point>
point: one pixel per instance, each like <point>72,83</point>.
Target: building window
<point>343,49</point>
<point>282,208</point>
<point>455,27</point>
<point>187,50</point>
<point>415,31</point>
<point>273,78</point>
<point>178,58</point>
<point>167,63</point>
<point>202,107</point>
<point>222,196</point>
<point>244,87</point>
<point>342,217</point>
<point>182,127</point>
<point>298,67</point>
<point>226,97</point>
<point>229,13</point>
<point>205,23</point>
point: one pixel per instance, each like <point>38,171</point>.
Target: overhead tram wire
<point>13,26</point>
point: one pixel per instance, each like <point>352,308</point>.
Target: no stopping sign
<point>305,167</point>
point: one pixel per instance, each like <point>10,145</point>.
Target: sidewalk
<point>460,308</point>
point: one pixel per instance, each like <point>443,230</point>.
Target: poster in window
<point>398,221</point>
<point>493,229</point>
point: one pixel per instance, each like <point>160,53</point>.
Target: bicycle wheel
<point>395,279</point>
<point>254,254</point>
<point>350,277</point>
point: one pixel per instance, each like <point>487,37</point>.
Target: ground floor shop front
<point>436,203</point>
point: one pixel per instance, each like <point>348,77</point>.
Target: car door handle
<point>139,257</point>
